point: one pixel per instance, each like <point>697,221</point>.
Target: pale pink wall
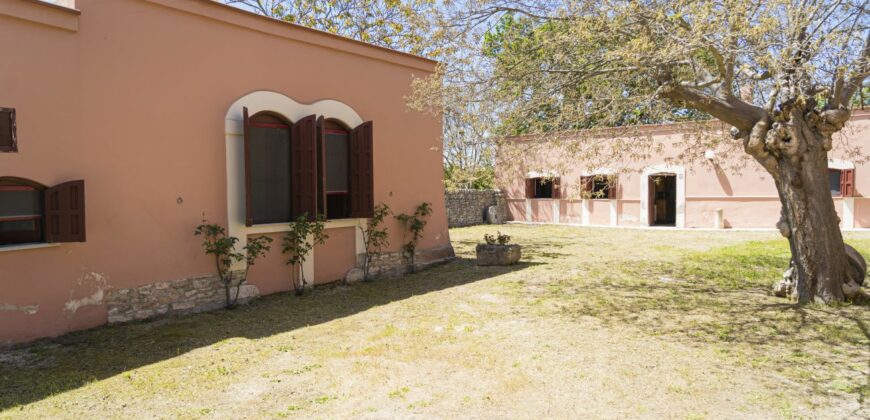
<point>542,210</point>
<point>571,211</point>
<point>599,212</point>
<point>747,196</point>
<point>134,103</point>
<point>516,209</point>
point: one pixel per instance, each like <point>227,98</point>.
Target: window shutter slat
<point>362,185</point>
<point>249,211</point>
<point>65,212</point>
<point>321,165</point>
<point>530,188</point>
<point>303,150</point>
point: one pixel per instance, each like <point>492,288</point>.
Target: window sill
<point>284,227</point>
<point>22,247</point>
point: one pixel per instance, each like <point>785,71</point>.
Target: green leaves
<point>216,242</point>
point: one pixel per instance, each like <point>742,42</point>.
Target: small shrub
<point>500,239</point>
<point>413,225</point>
<point>375,236</point>
<point>216,242</point>
<point>296,243</point>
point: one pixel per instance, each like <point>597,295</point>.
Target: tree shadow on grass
<point>826,347</point>
<point>35,371</point>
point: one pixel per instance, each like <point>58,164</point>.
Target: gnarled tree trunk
<point>794,150</point>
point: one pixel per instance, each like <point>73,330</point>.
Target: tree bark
<point>796,154</point>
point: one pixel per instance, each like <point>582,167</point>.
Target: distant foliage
<point>413,225</point>
<point>216,242</point>
<point>298,242</point>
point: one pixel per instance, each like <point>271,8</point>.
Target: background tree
<point>419,27</point>
<point>782,74</point>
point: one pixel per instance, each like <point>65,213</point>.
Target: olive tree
<point>780,74</point>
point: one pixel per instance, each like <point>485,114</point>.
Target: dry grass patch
<point>598,322</point>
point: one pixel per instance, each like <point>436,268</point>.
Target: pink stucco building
<point>544,185</point>
<point>123,123</point>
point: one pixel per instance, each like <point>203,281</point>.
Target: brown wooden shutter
<point>530,188</point>
<point>362,183</point>
<point>847,182</point>
<point>8,140</point>
<point>587,185</point>
<point>557,187</point>
<point>65,212</point>
<point>303,157</point>
<point>321,166</point>
<point>611,187</point>
<point>249,211</point>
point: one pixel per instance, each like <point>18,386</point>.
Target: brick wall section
<point>468,207</point>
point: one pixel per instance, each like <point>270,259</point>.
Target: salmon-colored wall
<point>516,209</point>
<point>571,211</point>
<point>333,258</point>
<point>134,103</point>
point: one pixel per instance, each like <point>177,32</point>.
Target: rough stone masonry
<point>468,207</point>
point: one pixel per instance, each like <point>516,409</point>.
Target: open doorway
<point>663,200</point>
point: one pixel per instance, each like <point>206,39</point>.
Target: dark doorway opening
<point>663,200</point>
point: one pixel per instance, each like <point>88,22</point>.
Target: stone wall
<point>468,207</point>
<point>206,293</point>
<point>195,294</point>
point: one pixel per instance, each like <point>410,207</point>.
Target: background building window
<point>8,140</point>
<point>543,188</point>
<point>841,182</point>
<point>599,186</point>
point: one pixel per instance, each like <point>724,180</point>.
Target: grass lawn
<point>593,323</point>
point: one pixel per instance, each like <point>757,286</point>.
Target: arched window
<point>21,211</point>
<point>337,169</point>
<point>267,156</point>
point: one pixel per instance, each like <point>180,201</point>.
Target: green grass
<point>587,314</point>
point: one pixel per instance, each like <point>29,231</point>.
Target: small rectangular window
<point>834,182</point>
<point>542,188</point>
<point>8,140</point>
<point>20,214</point>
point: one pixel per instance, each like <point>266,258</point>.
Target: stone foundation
<point>206,293</point>
<point>468,207</point>
<point>396,264</point>
<point>195,294</point>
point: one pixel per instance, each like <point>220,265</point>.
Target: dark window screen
<point>543,188</point>
<point>20,213</point>
<point>337,163</point>
<point>7,132</point>
<point>270,174</point>
<point>834,182</point>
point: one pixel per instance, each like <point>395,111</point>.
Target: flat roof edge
<point>215,10</point>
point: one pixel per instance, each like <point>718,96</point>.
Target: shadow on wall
<point>33,372</point>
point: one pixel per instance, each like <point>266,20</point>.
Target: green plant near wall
<point>375,236</point>
<point>413,225</point>
<point>216,242</point>
<point>303,236</point>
